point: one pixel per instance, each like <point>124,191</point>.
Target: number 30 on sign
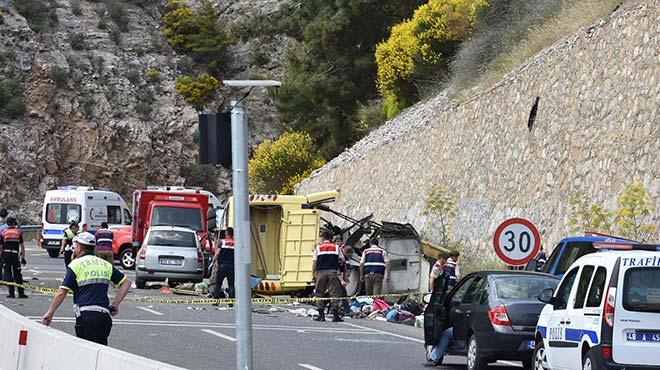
<point>516,241</point>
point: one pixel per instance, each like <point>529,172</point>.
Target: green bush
<point>87,104</point>
<point>40,14</point>
<point>76,9</point>
<point>134,76</point>
<point>59,76</point>
<point>115,35</point>
<point>153,75</point>
<point>277,166</point>
<point>97,62</point>
<point>370,115</point>
<point>197,92</point>
<point>12,104</point>
<point>202,176</point>
<point>77,41</point>
<point>117,13</point>
<point>145,103</point>
<point>197,33</point>
<point>102,24</point>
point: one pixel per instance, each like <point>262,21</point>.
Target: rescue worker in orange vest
<point>13,251</point>
<point>224,255</point>
<point>374,265</point>
<point>325,266</point>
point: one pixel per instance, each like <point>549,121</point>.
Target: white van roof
<point>71,194</point>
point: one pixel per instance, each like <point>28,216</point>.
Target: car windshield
<point>172,238</point>
<point>641,291</point>
<point>190,218</point>
<point>523,287</point>
<point>572,251</point>
<point>62,213</point>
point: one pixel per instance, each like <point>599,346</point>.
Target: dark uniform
<point>104,239</point>
<point>328,258</point>
<point>88,278</point>
<point>225,267</point>
<point>11,239</point>
<point>68,249</point>
<point>375,261</point>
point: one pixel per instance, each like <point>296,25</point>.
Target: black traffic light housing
<point>215,139</point>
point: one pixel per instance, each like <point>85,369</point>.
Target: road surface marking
<point>509,363</point>
<point>150,310</point>
<point>385,332</point>
<point>223,336</point>
<point>310,367</point>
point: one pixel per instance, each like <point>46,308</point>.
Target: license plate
<point>171,262</point>
<point>54,242</point>
<point>530,344</point>
<point>643,336</point>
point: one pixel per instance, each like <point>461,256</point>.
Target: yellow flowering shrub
<point>197,91</point>
<point>278,165</point>
<point>422,45</point>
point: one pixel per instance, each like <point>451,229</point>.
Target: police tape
<point>213,301</point>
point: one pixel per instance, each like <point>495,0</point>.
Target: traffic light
<point>215,139</point>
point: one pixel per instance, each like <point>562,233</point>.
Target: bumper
<point>507,346</point>
<point>51,243</point>
<point>144,274</point>
<point>604,364</point>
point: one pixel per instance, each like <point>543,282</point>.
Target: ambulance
<point>82,205</point>
<point>605,314</point>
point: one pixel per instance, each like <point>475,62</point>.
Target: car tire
<point>539,359</point>
<point>140,284</point>
<point>591,361</point>
<point>126,259</point>
<point>474,359</point>
<point>53,253</point>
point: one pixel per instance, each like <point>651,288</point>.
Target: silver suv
<point>172,253</point>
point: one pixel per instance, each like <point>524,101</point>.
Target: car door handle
<point>567,322</point>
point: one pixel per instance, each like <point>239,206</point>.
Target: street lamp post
<point>242,252</point>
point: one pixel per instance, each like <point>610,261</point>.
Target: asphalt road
<point>203,337</point>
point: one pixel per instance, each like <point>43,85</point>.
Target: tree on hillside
<point>584,215</point>
<point>198,91</point>
<point>635,213</point>
<point>418,50</point>
<point>331,67</point>
<point>440,204</point>
<point>277,166</point>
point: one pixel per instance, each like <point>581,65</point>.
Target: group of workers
<point>103,239</point>
<point>330,272</point>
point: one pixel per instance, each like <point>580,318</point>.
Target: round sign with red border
<point>516,241</point>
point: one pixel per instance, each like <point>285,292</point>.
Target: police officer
<point>88,278</point>
<point>374,265</point>
<point>224,256</point>
<point>66,246</point>
<point>325,266</point>
<point>451,267</point>
<point>104,237</point>
<point>13,251</point>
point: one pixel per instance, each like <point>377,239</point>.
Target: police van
<point>605,314</point>
<point>82,205</point>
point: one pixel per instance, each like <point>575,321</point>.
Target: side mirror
<point>547,295</point>
<point>427,298</point>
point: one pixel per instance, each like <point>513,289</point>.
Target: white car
<point>605,314</point>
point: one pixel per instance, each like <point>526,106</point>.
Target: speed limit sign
<point>516,241</point>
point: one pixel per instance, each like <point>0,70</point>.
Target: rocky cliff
<point>580,117</point>
<point>100,105</point>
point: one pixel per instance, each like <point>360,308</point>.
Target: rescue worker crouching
<point>13,251</point>
<point>325,266</point>
<point>66,246</point>
<point>88,278</point>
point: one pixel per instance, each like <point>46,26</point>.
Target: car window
<point>523,287</point>
<point>172,238</point>
<point>114,215</point>
<point>597,288</point>
<point>127,217</point>
<point>641,289</point>
<point>564,291</point>
<point>457,297</point>
<point>553,258</point>
<point>573,251</point>
<point>62,213</point>
<point>583,285</point>
<point>474,292</point>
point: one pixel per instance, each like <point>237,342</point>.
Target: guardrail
<point>28,345</point>
<point>30,227</point>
